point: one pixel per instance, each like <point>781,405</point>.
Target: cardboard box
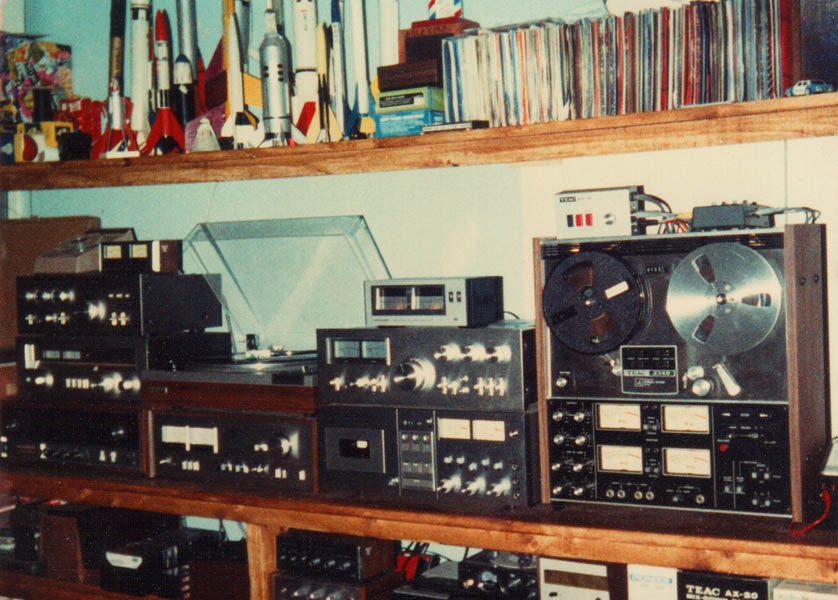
<point>28,63</point>
<point>21,240</point>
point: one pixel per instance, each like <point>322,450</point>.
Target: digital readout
<point>692,462</point>
<point>618,416</point>
<point>686,418</point>
<point>626,459</point>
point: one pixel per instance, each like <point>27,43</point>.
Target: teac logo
<point>563,199</point>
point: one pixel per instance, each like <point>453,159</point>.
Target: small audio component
<point>88,438</point>
<point>157,256</point>
<point>337,557</point>
<point>266,451</point>
<point>422,456</point>
<point>8,380</point>
<point>74,537</point>
<point>701,585</point>
<point>105,368</point>
<point>559,578</point>
<point>377,588</point>
<point>158,565</point>
<point>80,254</point>
<point>446,301</point>
<point>493,574</point>
<point>596,213</point>
<point>127,304</point>
<point>685,371</point>
<point>438,583</point>
<point>488,368</point>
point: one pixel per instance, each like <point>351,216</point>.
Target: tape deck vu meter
<point>684,371</point>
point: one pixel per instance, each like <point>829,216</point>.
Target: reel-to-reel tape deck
<point>683,371</point>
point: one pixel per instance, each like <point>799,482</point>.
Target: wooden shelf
<point>735,544</point>
<point>35,588</point>
<point>711,125</point>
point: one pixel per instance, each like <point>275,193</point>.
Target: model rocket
<point>117,139</point>
<point>276,89</point>
<point>364,125</point>
<point>187,37</point>
<point>305,100</point>
<point>241,8</point>
<point>183,91</point>
<point>241,127</point>
<point>337,66</point>
<point>166,134</point>
<point>388,31</point>
<point>140,67</point>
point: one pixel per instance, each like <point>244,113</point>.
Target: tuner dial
<point>414,374</point>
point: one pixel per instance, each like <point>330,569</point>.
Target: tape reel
<point>725,298</point>
<point>592,302</point>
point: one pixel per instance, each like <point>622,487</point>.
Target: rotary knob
<point>414,374</point>
<point>283,445</point>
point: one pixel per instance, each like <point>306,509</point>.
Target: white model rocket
<point>241,126</point>
<point>187,38</point>
<point>140,67</point>
<point>388,31</point>
<point>365,125</point>
<point>305,100</point>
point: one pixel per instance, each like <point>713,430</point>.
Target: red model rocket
<point>166,134</point>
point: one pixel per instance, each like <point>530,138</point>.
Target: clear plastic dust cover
<point>281,279</point>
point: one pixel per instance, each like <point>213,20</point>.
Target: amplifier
<point>454,458</point>
<point>268,451</point>
<point>559,578</point>
<point>82,437</point>
<point>332,556</point>
<point>447,301</point>
<point>160,564</point>
<point>377,588</point>
<point>485,369</point>
<point>685,371</point>
<point>126,304</point>
<point>104,368</point>
<point>493,574</point>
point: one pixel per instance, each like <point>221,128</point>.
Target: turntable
<point>281,279</point>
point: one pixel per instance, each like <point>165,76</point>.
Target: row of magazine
<point>658,59</point>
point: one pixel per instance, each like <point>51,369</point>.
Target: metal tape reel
<point>592,302</point>
<point>725,298</point>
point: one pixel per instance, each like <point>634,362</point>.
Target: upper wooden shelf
<point>735,544</point>
<point>711,125</point>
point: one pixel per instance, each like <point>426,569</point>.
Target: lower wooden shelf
<point>28,586</point>
<point>722,543</point>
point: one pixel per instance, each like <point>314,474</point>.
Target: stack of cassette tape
<point>684,371</point>
<point>84,339</point>
<point>434,402</point>
<point>249,421</point>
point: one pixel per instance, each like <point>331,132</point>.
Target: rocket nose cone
<point>161,26</point>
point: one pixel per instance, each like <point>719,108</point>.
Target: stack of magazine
<point>549,70</point>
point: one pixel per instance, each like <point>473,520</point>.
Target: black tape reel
<point>592,302</point>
